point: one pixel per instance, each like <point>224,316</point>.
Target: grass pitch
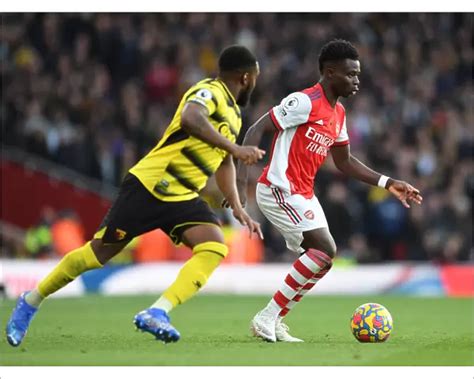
<point>98,330</point>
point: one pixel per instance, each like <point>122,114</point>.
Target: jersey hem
<point>343,143</point>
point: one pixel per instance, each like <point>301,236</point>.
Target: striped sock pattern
<point>306,288</point>
<point>304,274</point>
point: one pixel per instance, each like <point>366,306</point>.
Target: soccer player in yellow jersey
<point>162,191</point>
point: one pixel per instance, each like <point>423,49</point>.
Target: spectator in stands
<point>114,79</point>
<point>38,239</point>
<point>67,232</point>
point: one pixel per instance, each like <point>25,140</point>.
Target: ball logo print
<point>371,322</point>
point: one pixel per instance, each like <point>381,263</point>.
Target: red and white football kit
<point>307,127</point>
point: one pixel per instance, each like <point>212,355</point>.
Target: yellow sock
<point>69,268</point>
<point>195,272</point>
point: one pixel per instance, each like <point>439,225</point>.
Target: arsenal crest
<point>309,214</point>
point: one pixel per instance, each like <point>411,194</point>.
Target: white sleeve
<point>294,110</point>
<point>343,137</point>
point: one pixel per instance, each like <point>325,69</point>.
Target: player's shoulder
<point>208,85</point>
<point>314,93</point>
<point>296,101</point>
<point>204,91</point>
<point>309,99</point>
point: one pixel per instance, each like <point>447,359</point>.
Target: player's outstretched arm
<point>225,179</point>
<point>194,120</point>
<point>351,166</point>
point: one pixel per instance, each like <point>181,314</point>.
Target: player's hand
<point>225,203</point>
<point>246,220</point>
<point>405,192</point>
<point>248,154</point>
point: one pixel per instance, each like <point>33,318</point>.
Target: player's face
<point>346,77</point>
<point>249,80</point>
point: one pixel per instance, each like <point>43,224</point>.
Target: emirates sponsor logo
<point>319,143</point>
<point>309,214</point>
<point>318,138</point>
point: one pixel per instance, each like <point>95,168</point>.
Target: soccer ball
<point>371,322</point>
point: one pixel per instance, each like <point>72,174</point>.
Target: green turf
<point>96,330</point>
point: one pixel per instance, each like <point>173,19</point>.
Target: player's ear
<point>329,72</point>
<point>244,78</point>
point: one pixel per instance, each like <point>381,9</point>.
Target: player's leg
<point>207,244</point>
<point>198,229</point>
<point>208,248</point>
<point>325,243</point>
<point>106,244</point>
<point>293,216</point>
<point>93,254</point>
<point>320,248</point>
<point>311,264</point>
<point>321,240</point>
<point>69,268</point>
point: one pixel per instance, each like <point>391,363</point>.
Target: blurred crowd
<point>55,234</point>
<point>94,92</point>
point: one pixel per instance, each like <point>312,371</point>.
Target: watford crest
<point>120,234</point>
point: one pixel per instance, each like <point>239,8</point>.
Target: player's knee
<point>217,248</point>
<point>78,261</point>
<point>320,239</point>
<point>105,252</point>
<point>331,249</point>
<point>327,246</point>
<point>207,257</point>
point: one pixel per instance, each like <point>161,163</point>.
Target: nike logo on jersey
<point>319,122</point>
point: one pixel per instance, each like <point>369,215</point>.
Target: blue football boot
<point>157,322</point>
<point>19,321</point>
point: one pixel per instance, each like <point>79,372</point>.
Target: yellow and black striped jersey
<point>178,167</point>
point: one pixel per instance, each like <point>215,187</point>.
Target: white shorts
<point>290,214</point>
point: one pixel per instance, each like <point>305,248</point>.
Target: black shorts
<point>137,211</point>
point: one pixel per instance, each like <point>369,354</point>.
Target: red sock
<point>305,272</point>
<point>306,288</point>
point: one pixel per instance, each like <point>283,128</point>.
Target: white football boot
<point>281,332</point>
<point>263,326</point>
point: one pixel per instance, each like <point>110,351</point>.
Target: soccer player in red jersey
<point>307,125</point>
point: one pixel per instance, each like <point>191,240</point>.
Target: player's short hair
<point>236,58</point>
<point>335,50</point>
